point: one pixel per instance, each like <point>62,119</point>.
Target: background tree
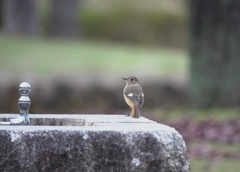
<point>215,52</point>
<point>1,12</point>
<point>63,19</point>
<point>20,17</point>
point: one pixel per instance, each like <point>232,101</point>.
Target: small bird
<point>133,95</point>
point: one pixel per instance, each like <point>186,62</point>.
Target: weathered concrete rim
<point>99,118</point>
<point>123,128</point>
<point>119,123</point>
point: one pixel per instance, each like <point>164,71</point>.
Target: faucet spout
<point>21,120</point>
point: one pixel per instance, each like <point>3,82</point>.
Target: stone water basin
<point>91,143</point>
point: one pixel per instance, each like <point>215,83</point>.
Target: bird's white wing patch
<point>130,94</point>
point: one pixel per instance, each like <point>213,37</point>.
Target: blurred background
<point>185,53</point>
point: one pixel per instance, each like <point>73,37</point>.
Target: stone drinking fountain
<point>87,143</point>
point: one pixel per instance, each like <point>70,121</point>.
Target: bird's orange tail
<point>135,112</point>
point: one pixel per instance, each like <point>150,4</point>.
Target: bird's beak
<point>124,78</point>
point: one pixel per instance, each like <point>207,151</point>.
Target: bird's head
<point>131,80</point>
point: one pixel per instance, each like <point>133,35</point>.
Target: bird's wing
<point>138,99</point>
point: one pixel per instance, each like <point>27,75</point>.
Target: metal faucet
<point>24,104</point>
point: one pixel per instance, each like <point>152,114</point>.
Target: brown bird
<point>133,95</point>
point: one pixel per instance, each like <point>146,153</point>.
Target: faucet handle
<point>24,89</point>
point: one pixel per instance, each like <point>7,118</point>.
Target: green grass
<point>218,163</point>
<point>206,165</point>
<point>216,114</point>
<point>41,57</point>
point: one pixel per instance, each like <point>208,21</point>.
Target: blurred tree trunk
<point>1,13</point>
<point>63,19</point>
<point>215,52</point>
<point>20,17</point>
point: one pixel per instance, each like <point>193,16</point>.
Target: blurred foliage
<point>148,22</point>
<point>145,22</point>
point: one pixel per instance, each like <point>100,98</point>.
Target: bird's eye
<point>131,79</point>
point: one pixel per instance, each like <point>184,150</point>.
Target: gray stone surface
<point>115,143</point>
